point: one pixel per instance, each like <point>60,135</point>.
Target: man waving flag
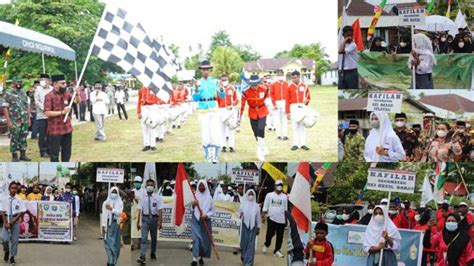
<point>300,198</point>
<point>182,198</point>
<point>123,41</point>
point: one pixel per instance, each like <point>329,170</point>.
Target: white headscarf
<point>204,199</point>
<point>51,195</point>
<point>117,207</point>
<point>422,45</point>
<point>377,136</point>
<point>217,192</point>
<point>249,210</point>
<point>373,233</point>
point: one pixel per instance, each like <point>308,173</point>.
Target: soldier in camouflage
<point>17,114</point>
<point>407,136</point>
<point>354,143</point>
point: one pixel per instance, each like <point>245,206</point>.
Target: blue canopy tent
<point>17,37</point>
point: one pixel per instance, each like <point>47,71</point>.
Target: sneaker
<point>224,149</point>
<point>304,147</point>
<point>278,254</point>
<point>153,149</point>
<point>179,126</point>
<point>161,140</point>
<point>153,256</point>
<point>12,261</point>
<point>146,148</point>
<point>6,256</point>
<point>265,249</point>
<point>194,263</point>
<point>279,137</point>
<point>231,149</point>
<point>141,260</point>
<point>201,261</point>
<point>285,138</point>
<point>294,148</point>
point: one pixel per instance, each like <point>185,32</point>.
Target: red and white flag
<point>182,198</point>
<point>300,198</point>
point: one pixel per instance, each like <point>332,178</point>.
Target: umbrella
<point>436,23</point>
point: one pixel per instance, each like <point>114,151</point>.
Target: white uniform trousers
<point>149,134</point>
<point>280,119</point>
<point>299,131</point>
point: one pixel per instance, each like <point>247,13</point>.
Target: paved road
<point>88,250</point>
<point>176,253</point>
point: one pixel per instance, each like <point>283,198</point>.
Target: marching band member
<point>227,104</point>
<point>205,94</point>
<point>177,101</point>
<point>298,98</point>
<point>279,95</point>
<point>146,110</point>
<point>267,81</point>
<point>255,97</point>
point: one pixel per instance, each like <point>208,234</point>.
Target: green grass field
<point>124,140</point>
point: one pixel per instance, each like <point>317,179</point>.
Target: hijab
<point>378,135</point>
<point>423,46</point>
<point>425,216</point>
<point>217,192</point>
<point>373,233</point>
<point>117,206</point>
<point>374,48</point>
<point>249,209</point>
<point>204,199</point>
<point>50,196</point>
<point>458,241</point>
<point>366,218</point>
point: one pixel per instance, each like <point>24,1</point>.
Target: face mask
<point>251,197</point>
<point>74,192</point>
<point>149,189</point>
<point>403,44</point>
<point>345,217</point>
<point>225,83</point>
<point>461,45</point>
<point>138,185</point>
<point>400,124</point>
<point>378,219</point>
<point>353,131</point>
<point>67,190</point>
<point>374,124</point>
<point>392,212</point>
<point>280,78</point>
<point>443,39</point>
<point>279,188</point>
<point>42,83</point>
<point>441,133</point>
<point>370,211</point>
<point>113,196</point>
<point>417,217</point>
<point>451,226</point>
<point>339,216</point>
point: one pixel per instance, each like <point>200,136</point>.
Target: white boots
<point>262,150</point>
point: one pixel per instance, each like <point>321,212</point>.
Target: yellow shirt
<point>21,196</point>
<point>33,196</point>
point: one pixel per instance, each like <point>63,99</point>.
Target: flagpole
<point>413,67</point>
<point>85,64</point>
<point>462,177</point>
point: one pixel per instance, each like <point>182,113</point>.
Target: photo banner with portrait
<point>47,221</point>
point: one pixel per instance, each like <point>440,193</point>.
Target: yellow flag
<point>276,174</point>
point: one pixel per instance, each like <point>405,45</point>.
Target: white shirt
<point>394,147</point>
<point>120,96</point>
<point>99,107</point>
<point>275,205</point>
<point>151,202</point>
<point>139,194</point>
<point>350,57</point>
<point>425,66</point>
<point>12,205</point>
<point>78,206</point>
<point>40,93</point>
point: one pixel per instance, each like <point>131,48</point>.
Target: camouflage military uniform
<point>16,101</point>
<point>354,147</point>
<point>409,141</point>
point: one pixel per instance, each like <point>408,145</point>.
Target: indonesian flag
<point>358,35</point>
<point>300,198</point>
<point>182,198</point>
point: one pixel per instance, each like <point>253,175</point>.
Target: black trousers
<point>43,137</point>
<point>273,228</point>
<point>122,106</point>
<point>75,109</point>
<point>63,144</point>
<point>82,111</point>
<point>258,127</point>
<point>89,106</point>
<point>348,79</point>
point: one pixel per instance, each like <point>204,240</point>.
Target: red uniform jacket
<point>146,97</point>
<point>411,218</point>
<point>297,94</point>
<point>279,91</point>
<point>422,228</point>
<point>230,98</point>
<point>255,98</point>
<point>178,97</point>
<point>323,252</point>
<point>400,221</point>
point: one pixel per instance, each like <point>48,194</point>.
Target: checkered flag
<point>123,41</point>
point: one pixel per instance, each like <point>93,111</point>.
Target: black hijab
<point>366,218</point>
<point>425,216</point>
<point>457,241</point>
<point>374,48</point>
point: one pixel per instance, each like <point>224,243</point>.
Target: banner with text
<point>47,221</point>
<point>391,180</point>
<point>249,177</point>
<point>110,175</point>
<point>411,15</point>
<point>385,101</point>
<point>347,241</point>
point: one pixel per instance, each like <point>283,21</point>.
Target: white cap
<point>229,188</point>
<point>279,182</point>
<point>173,182</point>
<point>384,201</point>
<point>138,179</point>
<point>463,204</point>
<point>221,182</point>
<point>445,201</point>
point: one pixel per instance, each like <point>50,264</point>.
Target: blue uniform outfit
<point>11,206</point>
<point>150,206</point>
